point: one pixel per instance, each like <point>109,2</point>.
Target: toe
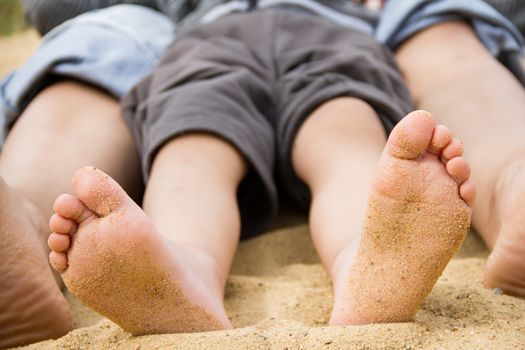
<point>453,149</point>
<point>458,169</point>
<point>58,260</point>
<point>58,242</point>
<point>440,139</point>
<point>70,207</point>
<point>467,191</point>
<point>60,224</point>
<point>98,191</point>
<point>411,136</point>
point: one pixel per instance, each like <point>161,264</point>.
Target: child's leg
<point>416,218</point>
<point>451,74</point>
<point>354,125</point>
<point>66,126</point>
<point>201,197</point>
<point>163,272</point>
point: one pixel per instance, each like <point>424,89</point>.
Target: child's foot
<point>505,268</point>
<point>32,307</point>
<point>418,215</point>
<point>111,257</point>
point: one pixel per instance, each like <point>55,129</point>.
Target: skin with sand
<point>418,215</point>
<point>112,258</point>
<point>121,267</point>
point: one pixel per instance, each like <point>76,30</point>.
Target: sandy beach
<point>278,296</point>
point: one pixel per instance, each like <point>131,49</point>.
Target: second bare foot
<point>418,215</point>
<point>112,258</point>
<point>32,307</point>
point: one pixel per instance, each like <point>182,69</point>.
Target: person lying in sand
<point>278,90</point>
<point>179,248</point>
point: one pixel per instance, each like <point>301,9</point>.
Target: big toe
<point>98,191</point>
<point>411,136</point>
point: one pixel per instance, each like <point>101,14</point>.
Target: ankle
<point>12,199</point>
<point>504,189</point>
<point>341,264</point>
<point>205,275</point>
<point>205,266</point>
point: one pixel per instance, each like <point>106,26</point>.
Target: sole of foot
<point>32,307</point>
<point>111,257</point>
<point>418,215</point>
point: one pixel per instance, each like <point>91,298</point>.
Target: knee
<point>454,41</point>
<point>441,53</point>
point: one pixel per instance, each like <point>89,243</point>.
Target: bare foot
<point>112,258</point>
<point>418,215</point>
<point>505,268</point>
<point>32,307</point>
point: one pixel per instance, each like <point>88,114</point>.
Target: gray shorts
<point>252,79</point>
<point>112,48</point>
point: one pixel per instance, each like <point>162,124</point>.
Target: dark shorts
<point>252,79</point>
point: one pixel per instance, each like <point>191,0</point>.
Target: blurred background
<point>17,39</point>
<point>11,17</point>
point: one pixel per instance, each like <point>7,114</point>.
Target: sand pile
<point>279,297</point>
